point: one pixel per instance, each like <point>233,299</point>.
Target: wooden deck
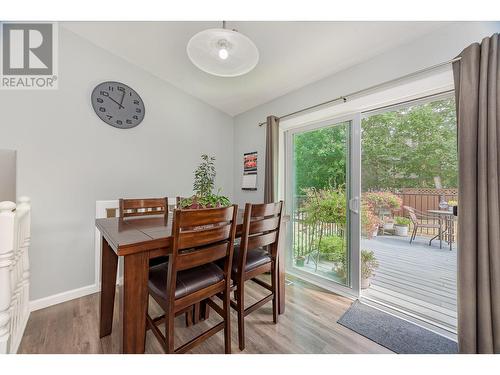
<point>417,278</point>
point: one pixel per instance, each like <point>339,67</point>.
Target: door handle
<point>354,205</point>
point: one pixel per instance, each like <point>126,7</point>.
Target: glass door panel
<point>319,191</point>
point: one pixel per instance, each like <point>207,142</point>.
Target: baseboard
<point>55,299</point>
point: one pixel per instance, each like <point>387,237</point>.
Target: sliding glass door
<point>409,189</point>
<point>322,192</point>
<point>372,207</point>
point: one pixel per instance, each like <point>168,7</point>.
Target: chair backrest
<point>261,228</point>
<point>144,207</point>
<point>200,237</point>
<point>411,213</point>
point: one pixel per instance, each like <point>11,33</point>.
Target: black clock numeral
<point>136,102</point>
<point>119,122</point>
<point>135,117</point>
<point>128,121</point>
<point>138,110</point>
<point>111,88</point>
<point>120,88</point>
<point>104,93</point>
<point>109,117</point>
<point>99,100</point>
<point>102,109</point>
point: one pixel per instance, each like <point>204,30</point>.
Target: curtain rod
<point>344,98</point>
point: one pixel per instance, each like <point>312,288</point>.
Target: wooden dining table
<point>138,240</point>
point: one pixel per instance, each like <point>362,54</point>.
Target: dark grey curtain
<point>478,115</point>
<point>272,144</point>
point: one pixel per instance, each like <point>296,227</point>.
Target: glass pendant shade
<point>222,52</point>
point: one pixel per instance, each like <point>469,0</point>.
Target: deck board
<point>416,278</point>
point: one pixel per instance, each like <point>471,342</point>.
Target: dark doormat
<point>396,334</point>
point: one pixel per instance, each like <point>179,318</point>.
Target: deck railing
<point>422,200</point>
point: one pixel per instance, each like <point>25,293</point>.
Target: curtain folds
<point>477,90</point>
<point>272,144</point>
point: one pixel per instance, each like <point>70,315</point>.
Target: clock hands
<point>119,104</point>
<point>121,101</point>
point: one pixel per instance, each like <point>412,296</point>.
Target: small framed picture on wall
<point>249,181</point>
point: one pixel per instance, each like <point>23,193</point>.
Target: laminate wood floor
<point>309,325</point>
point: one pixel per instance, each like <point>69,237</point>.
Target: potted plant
<point>299,261</point>
<point>204,182</point>
<point>369,221</point>
<point>388,224</point>
<point>401,225</point>
<point>368,264</point>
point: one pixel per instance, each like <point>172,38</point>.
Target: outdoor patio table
<point>449,219</point>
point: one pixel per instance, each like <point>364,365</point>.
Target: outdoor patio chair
<point>416,217</point>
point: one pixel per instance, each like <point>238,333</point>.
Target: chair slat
<point>202,256</point>
<point>269,209</point>
<point>205,217</point>
<point>144,203</point>
<point>264,225</point>
<point>143,207</point>
<point>261,240</point>
<point>196,238</point>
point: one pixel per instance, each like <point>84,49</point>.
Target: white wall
<point>436,47</point>
<point>68,158</point>
<point>8,175</point>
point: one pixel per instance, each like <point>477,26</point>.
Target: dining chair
<point>200,238</point>
<point>146,207</point>
<point>416,217</point>
<point>256,254</point>
<point>143,207</point>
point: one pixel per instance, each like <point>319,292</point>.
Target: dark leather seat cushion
<point>188,281</point>
<point>255,258</point>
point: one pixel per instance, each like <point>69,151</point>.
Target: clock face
<point>118,105</point>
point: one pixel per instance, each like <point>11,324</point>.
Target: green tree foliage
<point>320,158</point>
<point>410,146</point>
<point>402,148</point>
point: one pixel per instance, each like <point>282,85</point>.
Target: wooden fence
<point>424,200</point>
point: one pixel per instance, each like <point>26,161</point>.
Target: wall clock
<point>118,105</point>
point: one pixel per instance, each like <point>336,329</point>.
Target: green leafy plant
<point>452,203</point>
<point>369,264</point>
<point>334,249</point>
<point>402,221</point>
<point>203,186</point>
<point>369,221</point>
<point>204,176</point>
<point>322,207</point>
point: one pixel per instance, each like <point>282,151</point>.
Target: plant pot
<point>401,230</point>
<point>299,262</point>
<point>365,283</point>
<point>388,226</point>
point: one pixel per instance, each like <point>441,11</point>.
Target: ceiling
<point>292,54</point>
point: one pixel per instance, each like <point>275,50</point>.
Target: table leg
<point>281,271</point>
<point>135,302</point>
<point>450,232</point>
<point>109,264</point>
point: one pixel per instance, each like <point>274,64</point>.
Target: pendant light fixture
<point>222,52</point>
